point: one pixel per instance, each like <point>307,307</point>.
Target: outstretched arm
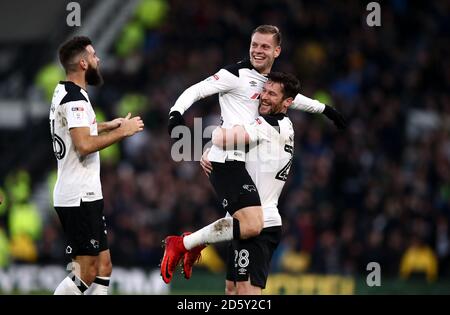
<point>309,105</point>
<point>222,81</point>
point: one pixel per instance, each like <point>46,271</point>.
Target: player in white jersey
<point>239,87</point>
<point>77,196</point>
<point>271,139</point>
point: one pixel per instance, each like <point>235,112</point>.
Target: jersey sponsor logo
<point>237,154</point>
<point>249,187</point>
<point>255,96</point>
<point>77,109</point>
<point>253,83</point>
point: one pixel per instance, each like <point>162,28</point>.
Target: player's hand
<point>205,163</point>
<point>115,123</point>
<point>336,117</point>
<point>131,126</point>
<point>175,119</point>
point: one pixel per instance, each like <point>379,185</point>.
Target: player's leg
<point>230,288</point>
<point>251,221</point>
<point>84,269</point>
<point>252,261</point>
<point>104,267</point>
<point>82,233</point>
<point>100,284</point>
<point>246,288</point>
<point>230,276</point>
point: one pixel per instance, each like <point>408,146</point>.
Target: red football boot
<point>173,252</point>
<point>190,258</point>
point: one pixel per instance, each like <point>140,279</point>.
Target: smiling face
<point>272,99</point>
<point>263,51</point>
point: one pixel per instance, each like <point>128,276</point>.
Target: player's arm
<point>229,138</point>
<point>85,143</point>
<point>309,105</point>
<point>222,81</point>
<point>109,125</point>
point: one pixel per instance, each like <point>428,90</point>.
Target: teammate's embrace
<point>271,139</point>
<point>239,87</point>
<point>77,138</point>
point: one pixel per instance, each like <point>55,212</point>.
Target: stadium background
<point>378,192</point>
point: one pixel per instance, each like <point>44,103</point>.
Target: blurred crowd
<point>378,192</point>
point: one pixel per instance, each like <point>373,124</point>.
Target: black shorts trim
<point>84,228</point>
<point>234,186</point>
<point>252,257</point>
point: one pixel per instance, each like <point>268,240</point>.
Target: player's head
<point>78,55</point>
<point>278,93</point>
<point>265,46</point>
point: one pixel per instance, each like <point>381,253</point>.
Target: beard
<point>93,76</point>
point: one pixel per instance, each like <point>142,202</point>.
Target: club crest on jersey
<point>216,77</point>
<point>253,83</point>
<point>249,187</point>
<point>94,243</point>
<point>258,121</point>
<point>224,203</point>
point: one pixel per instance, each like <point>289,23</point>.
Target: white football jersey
<point>78,177</point>
<point>239,87</point>
<point>269,160</point>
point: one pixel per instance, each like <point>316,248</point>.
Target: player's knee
<point>246,288</point>
<point>105,268</point>
<point>90,273</point>
<point>254,228</point>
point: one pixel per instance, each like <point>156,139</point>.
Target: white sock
<point>99,286</point>
<point>69,287</point>
<point>218,231</point>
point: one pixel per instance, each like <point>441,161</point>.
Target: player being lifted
<point>239,87</point>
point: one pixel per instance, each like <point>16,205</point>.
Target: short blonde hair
<point>269,29</point>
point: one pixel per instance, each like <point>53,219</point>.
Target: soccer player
<point>77,196</point>
<point>271,137</point>
<point>239,87</point>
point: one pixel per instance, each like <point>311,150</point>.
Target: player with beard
<point>77,139</point>
<point>239,87</point>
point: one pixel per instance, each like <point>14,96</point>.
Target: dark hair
<point>290,84</point>
<point>269,29</point>
<point>71,49</point>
